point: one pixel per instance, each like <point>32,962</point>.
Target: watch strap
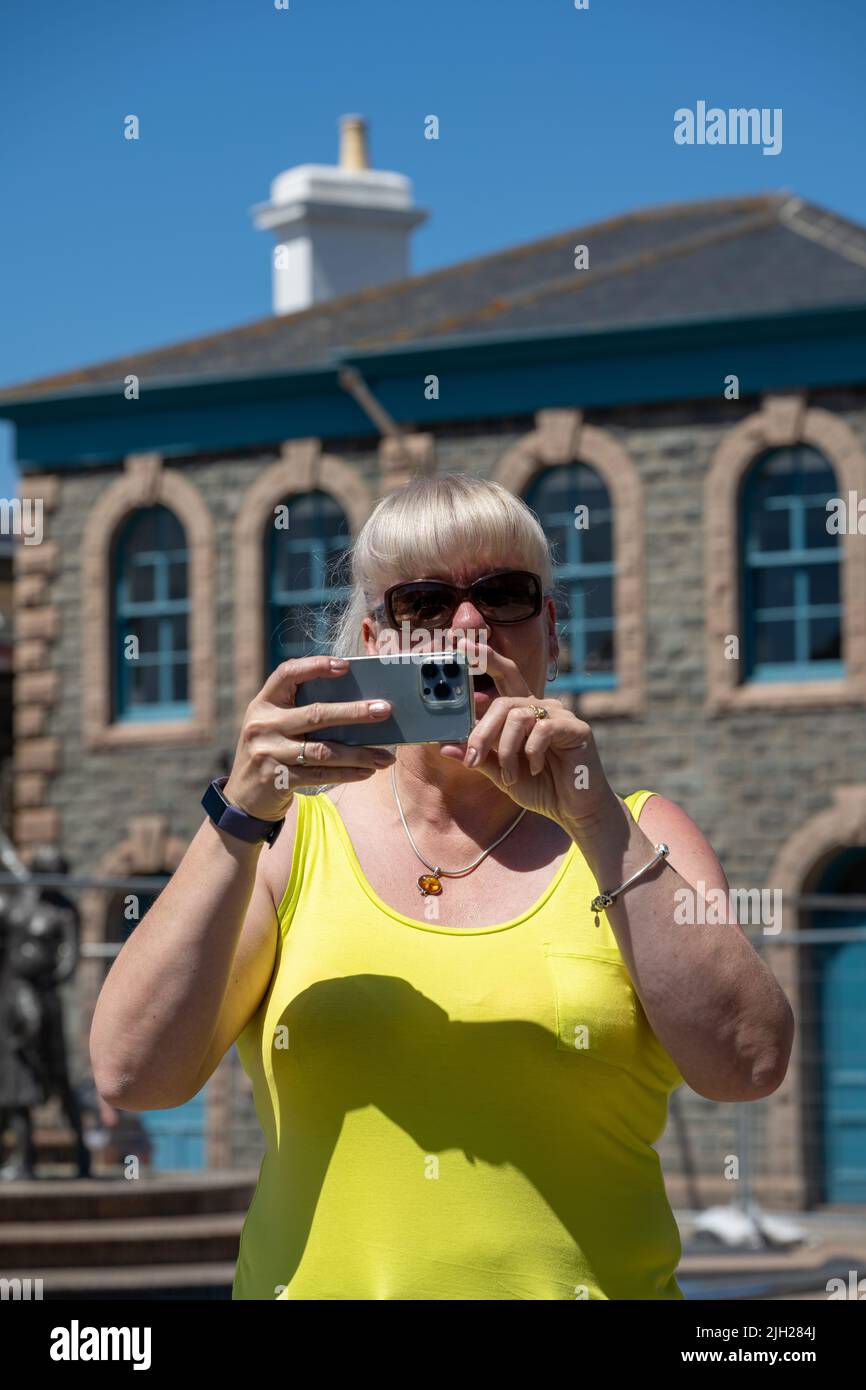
<point>236,822</point>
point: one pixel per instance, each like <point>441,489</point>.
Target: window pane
<point>177,629</point>
<point>774,642</point>
<point>597,540</point>
<point>599,656</point>
<point>816,473</point>
<point>180,681</point>
<point>774,587</point>
<point>817,534</point>
<point>777,470</point>
<point>144,684</point>
<point>823,583</point>
<point>560,538</point>
<point>315,514</point>
<point>598,598</point>
<point>146,630</point>
<point>141,582</point>
<point>289,637</point>
<point>142,531</point>
<point>177,579</point>
<point>825,642</point>
<point>772,529</point>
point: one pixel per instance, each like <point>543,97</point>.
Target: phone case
<point>415,683</point>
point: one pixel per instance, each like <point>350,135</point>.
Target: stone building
<point>694,374</point>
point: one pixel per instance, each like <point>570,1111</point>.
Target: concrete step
<point>91,1199</point>
<point>133,1282</point>
<point>37,1247</point>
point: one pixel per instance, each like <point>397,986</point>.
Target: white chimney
<point>338,229</point>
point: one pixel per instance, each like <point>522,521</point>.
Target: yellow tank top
<point>452,1113</point>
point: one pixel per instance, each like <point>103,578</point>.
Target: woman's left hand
<point>547,765</point>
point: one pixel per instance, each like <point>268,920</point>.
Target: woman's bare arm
<point>190,976</point>
<point>710,998</point>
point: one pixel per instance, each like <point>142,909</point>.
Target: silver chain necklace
<point>431,884</point>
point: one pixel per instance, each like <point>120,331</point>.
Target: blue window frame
<point>584,571</point>
<point>151,604</point>
<point>790,583</point>
<point>304,568</point>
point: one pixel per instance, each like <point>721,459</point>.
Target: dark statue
<point>39,949</point>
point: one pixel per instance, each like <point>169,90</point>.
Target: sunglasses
<point>510,596</point>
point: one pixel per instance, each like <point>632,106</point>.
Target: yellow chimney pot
<point>353,143</point>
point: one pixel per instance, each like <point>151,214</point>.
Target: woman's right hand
<point>266,773</point>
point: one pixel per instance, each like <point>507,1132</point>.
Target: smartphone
<point>431,697</point>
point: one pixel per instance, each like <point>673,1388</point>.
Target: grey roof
<point>765,253</point>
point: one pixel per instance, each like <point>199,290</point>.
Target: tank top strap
<point>308,821</point>
<point>636,802</point>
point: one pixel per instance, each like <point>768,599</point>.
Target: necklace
<point>431,884</point>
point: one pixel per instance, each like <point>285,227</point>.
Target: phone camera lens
<point>442,690</point>
<point>451,669</point>
<point>428,670</point>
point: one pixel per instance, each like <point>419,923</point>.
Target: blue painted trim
<point>479,379</point>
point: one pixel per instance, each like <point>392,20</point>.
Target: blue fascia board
<point>481,379</point>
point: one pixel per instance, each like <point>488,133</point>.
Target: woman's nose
<point>468,616</point>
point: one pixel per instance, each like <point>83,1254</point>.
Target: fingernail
<point>378,707</point>
<point>383,756</point>
<point>338,663</point>
<point>472,757</point>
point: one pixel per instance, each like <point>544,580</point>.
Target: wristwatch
<point>236,822</point>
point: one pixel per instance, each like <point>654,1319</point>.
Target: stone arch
<point>145,483</point>
<point>781,420</point>
<point>301,467</point>
<point>560,437</point>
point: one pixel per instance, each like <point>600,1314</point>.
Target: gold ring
<point>301,758</point>
<point>539,712</point>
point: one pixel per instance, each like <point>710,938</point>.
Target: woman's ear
<point>552,636</point>
<point>370,634</point>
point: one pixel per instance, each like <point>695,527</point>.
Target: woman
<point>460,1068</point>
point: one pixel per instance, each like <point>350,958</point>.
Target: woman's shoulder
<point>691,853</point>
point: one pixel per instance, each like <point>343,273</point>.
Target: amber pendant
<point>429,885</point>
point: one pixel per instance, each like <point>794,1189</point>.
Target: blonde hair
<point>421,527</point>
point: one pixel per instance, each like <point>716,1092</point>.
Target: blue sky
<point>550,116</point>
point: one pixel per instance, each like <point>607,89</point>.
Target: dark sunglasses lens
<point>424,606</point>
<point>508,598</point>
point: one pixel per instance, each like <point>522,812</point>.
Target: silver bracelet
<point>606,899</point>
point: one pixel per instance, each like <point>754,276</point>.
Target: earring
<point>555,669</point>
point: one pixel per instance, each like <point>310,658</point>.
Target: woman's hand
<point>266,770</point>
<point>547,765</point>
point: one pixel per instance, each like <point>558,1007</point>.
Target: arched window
<point>305,545</point>
<point>574,508</point>
<point>151,618</point>
<point>792,606</point>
